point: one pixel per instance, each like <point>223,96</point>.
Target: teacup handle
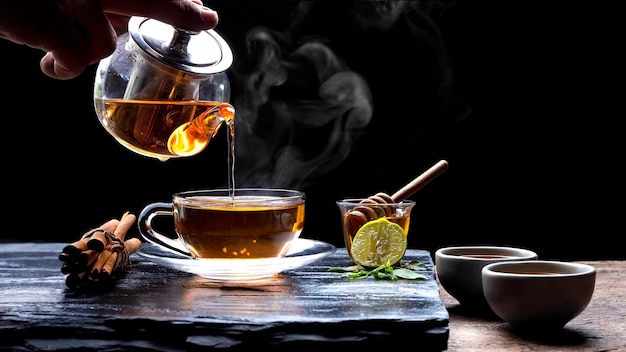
<point>146,230</point>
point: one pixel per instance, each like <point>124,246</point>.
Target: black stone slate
<point>156,308</point>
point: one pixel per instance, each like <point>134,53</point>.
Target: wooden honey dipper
<point>367,209</point>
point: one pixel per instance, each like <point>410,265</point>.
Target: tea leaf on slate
<point>408,274</point>
<point>347,268</point>
<point>408,271</point>
<point>416,265</point>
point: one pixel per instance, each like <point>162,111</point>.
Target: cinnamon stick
<point>74,249</point>
<point>105,267</point>
<point>94,261</point>
<point>75,280</point>
<point>87,258</point>
<point>99,264</point>
<point>124,225</point>
<point>68,268</point>
<point>65,257</point>
<point>109,265</point>
<point>99,240</point>
<point>115,262</point>
<point>131,245</point>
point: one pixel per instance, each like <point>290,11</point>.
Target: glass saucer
<point>302,252</point>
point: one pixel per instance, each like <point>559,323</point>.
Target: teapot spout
<point>192,137</point>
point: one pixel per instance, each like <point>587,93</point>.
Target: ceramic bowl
<point>459,270</point>
<point>538,295</point>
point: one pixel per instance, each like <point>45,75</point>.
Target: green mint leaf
<point>408,274</point>
<point>361,274</point>
<point>407,271</point>
<point>346,269</point>
<point>415,265</point>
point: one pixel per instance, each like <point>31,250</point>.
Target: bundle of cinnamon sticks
<point>100,255</point>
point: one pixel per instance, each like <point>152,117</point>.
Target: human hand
<point>77,33</point>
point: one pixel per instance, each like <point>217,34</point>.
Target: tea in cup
<point>459,268</point>
<point>222,223</point>
<point>538,295</point>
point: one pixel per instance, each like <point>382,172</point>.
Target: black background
<point>533,133</point>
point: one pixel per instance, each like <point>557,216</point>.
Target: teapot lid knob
<point>197,52</point>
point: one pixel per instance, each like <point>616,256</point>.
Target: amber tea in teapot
<point>164,129</point>
<point>164,93</point>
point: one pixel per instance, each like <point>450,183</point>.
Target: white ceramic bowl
<point>459,270</point>
<point>538,295</point>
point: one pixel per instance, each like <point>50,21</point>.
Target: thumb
<point>52,68</point>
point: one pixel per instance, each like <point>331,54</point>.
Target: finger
<point>185,14</point>
<point>88,38</point>
<point>52,68</point>
<point>119,22</point>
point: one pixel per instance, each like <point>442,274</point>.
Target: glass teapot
<point>164,92</point>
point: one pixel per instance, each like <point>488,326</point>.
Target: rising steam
<point>300,107</point>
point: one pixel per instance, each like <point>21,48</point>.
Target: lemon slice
<point>378,242</point>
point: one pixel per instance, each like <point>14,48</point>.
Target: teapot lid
<point>198,52</point>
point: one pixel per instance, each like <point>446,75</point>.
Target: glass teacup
<point>247,223</point>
